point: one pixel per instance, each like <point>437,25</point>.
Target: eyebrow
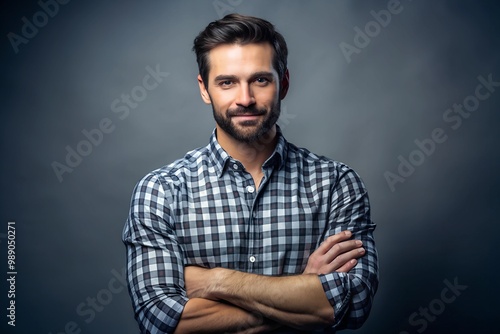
<point>223,77</point>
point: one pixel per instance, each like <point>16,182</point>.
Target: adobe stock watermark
<point>223,7</point>
<point>454,118</point>
<point>285,117</point>
<point>121,107</point>
<point>88,309</point>
<point>421,318</point>
<point>31,27</point>
<point>363,37</point>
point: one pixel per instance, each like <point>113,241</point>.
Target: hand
<point>259,325</point>
<point>336,253</point>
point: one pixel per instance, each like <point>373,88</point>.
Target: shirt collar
<point>220,157</point>
<point>280,152</point>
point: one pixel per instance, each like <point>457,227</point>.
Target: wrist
<point>218,276</point>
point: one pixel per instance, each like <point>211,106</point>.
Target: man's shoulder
<point>323,169</point>
<point>177,170</point>
<point>304,157</point>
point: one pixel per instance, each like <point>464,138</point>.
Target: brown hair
<point>239,29</point>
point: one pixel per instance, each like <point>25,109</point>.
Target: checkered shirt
<point>204,210</point>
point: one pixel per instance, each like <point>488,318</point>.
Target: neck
<point>251,155</point>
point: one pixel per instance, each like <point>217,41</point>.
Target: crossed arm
<point>224,300</point>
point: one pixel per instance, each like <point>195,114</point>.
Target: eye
<point>262,81</point>
<point>225,83</point>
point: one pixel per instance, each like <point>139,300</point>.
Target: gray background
<point>440,224</point>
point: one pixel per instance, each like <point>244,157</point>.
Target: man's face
<point>243,88</point>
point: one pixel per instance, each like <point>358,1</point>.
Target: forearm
<point>297,301</point>
<point>207,316</point>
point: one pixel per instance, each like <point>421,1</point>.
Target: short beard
<point>225,123</point>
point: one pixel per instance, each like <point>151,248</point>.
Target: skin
<point>242,77</point>
<point>245,93</point>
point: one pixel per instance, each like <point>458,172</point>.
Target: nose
<point>245,96</point>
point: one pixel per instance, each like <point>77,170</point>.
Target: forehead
<point>236,59</point>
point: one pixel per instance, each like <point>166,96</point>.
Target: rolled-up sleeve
<point>351,294</point>
<point>154,259</point>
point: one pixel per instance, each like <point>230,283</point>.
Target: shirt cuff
<point>337,290</point>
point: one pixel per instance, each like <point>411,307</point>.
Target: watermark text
<point>453,117</point>
<point>11,273</point>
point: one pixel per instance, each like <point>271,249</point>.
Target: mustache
<point>245,111</point>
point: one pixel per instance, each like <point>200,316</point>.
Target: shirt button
<point>252,259</point>
<point>235,166</point>
<point>250,189</point>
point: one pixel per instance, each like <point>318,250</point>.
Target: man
<point>249,234</point>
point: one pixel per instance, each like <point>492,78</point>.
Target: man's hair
<point>242,30</point>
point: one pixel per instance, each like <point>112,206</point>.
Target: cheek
<point>269,93</point>
<point>223,106</point>
<point>223,100</point>
<point>218,101</point>
<point>266,99</point>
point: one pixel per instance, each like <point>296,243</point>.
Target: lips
<point>250,112</point>
<point>247,115</point>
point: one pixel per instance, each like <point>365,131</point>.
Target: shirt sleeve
<point>351,294</point>
<point>155,269</point>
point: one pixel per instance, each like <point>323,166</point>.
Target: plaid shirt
<point>204,210</point>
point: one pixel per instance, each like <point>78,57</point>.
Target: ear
<point>285,82</point>
<point>203,91</point>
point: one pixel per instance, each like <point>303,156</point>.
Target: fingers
<point>348,266</point>
<point>347,260</point>
<point>338,249</point>
<point>336,253</point>
<point>332,240</point>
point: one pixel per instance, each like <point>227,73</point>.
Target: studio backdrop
<point>95,94</point>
